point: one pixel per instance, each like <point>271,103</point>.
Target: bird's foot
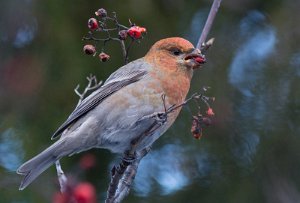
<point>160,117</point>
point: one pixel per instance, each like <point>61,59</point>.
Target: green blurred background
<point>250,154</point>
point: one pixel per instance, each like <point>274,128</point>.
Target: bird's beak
<point>194,59</point>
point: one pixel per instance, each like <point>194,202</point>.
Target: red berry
<point>101,12</point>
<point>200,59</point>
<point>89,49</point>
<point>142,29</point>
<point>136,32</point>
<point>85,193</point>
<point>196,129</point>
<point>87,161</point>
<point>210,112</point>
<point>104,57</point>
<point>93,24</point>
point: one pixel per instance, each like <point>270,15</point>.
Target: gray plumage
<point>81,129</point>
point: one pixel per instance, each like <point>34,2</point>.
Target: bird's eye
<point>176,52</point>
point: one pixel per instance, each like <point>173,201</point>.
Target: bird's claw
<point>160,117</point>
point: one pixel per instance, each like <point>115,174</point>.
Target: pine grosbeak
<point>114,115</point>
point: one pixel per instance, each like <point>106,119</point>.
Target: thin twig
<point>124,51</point>
<point>92,85</point>
<point>210,19</point>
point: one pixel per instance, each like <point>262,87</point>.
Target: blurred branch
<point>210,19</point>
<point>62,179</point>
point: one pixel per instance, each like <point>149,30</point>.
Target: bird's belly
<point>119,118</point>
<point>124,140</point>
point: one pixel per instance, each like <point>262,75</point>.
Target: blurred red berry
<point>101,12</point>
<point>59,197</point>
<point>93,24</point>
<point>210,112</point>
<point>197,135</point>
<point>104,57</point>
<point>123,34</point>
<point>136,32</point>
<point>89,49</point>
<point>142,29</point>
<point>87,161</point>
<point>85,193</point>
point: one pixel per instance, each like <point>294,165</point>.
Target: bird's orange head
<point>175,54</point>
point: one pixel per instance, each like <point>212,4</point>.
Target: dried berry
<point>196,129</point>
<point>101,12</point>
<point>93,24</point>
<point>136,32</point>
<point>123,34</point>
<point>89,49</point>
<point>104,57</point>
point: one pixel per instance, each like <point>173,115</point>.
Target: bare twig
<point>124,51</point>
<point>210,19</point>
<point>92,85</point>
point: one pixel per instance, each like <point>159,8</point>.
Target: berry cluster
<point>117,32</point>
<point>201,121</point>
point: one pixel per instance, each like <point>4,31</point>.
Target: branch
<point>92,85</point>
<point>210,19</point>
<point>123,175</point>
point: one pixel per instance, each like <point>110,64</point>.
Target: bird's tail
<point>38,164</point>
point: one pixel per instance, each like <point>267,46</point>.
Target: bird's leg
<point>62,179</point>
<point>129,157</point>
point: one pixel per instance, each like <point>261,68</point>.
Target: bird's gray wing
<point>124,76</point>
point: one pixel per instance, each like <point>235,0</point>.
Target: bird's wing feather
<point>124,76</point>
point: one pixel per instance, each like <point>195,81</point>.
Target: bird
<point>118,113</point>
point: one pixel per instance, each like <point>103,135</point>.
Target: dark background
<point>250,154</point>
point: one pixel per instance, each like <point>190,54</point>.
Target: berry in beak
<point>195,59</point>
